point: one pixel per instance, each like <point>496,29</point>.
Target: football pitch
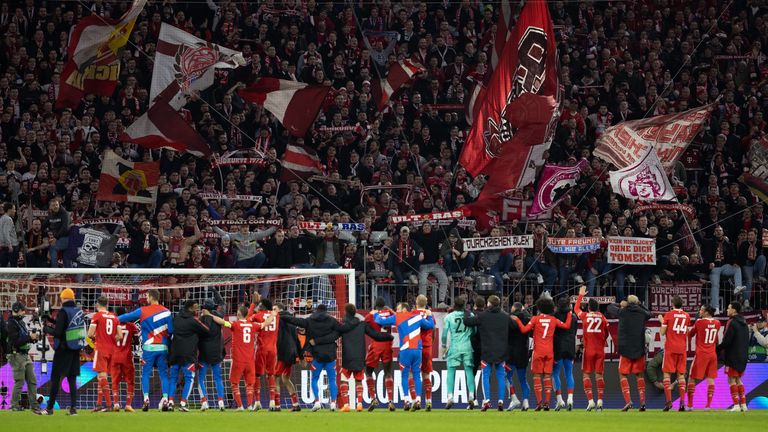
<point>439,420</point>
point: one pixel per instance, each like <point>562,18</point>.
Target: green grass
<point>439,420</point>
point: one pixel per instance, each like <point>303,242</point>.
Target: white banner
<point>503,242</point>
<point>631,250</point>
<point>455,214</point>
<point>233,197</point>
<point>644,180</point>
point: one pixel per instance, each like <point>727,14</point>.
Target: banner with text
<point>315,226</point>
<point>455,214</point>
<point>575,245</point>
<point>504,242</point>
<point>631,250</point>
<point>660,296</point>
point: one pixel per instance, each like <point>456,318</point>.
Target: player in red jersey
<point>675,349</point>
<point>123,369</point>
<point>266,352</point>
<point>543,326</point>
<point>595,333</point>
<point>379,352</point>
<point>704,364</point>
<point>105,331</point>
<point>426,356</point>
<point>243,361</point>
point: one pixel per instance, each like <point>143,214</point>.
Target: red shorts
<point>704,366</point>
<point>378,352</point>
<point>426,360</point>
<point>240,370</point>
<point>631,366</point>
<point>733,373</point>
<point>357,375</point>
<point>283,369</point>
<point>102,361</point>
<point>265,362</point>
<point>122,372</point>
<point>674,363</point>
<point>542,364</point>
<point>593,362</point>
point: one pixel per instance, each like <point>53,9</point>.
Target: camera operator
<point>20,340</point>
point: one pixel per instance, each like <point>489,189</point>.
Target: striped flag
<point>125,181</point>
<point>295,104</point>
<point>400,74</point>
<point>300,161</point>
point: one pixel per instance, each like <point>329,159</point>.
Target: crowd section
<point>619,60</point>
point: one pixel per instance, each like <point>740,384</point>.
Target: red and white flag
<point>399,74</point>
<point>163,127</point>
<point>189,61</point>
<point>295,104</point>
<point>300,162</point>
<point>644,180</point>
<point>125,181</point>
<point>93,53</point>
<point>625,143</point>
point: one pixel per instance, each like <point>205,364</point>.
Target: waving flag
<point>300,161</point>
<point>644,180</point>
<point>93,54</point>
<point>295,104</point>
<point>399,74</point>
<point>757,177</point>
<point>163,127</point>
<point>125,181</point>
<point>188,61</point>
<point>554,183</point>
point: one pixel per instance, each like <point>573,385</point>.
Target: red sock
<point>557,392</point>
<point>710,393</point>
<point>625,389</point>
<point>588,387</point>
<point>511,390</point>
<point>371,384</point>
<point>681,389</point>
<point>537,387</point>
<point>547,388</point>
<point>412,388</point>
<point>130,390</point>
<point>236,394</point>
<point>344,392</point>
<point>667,390</point>
<point>389,386</point>
<point>427,387</point>
<point>294,399</point>
<point>107,395</point>
<point>640,389</point>
<point>691,391</point>
<point>249,395</point>
<point>600,387</point>
<point>742,396</point>
<point>257,388</point>
<point>99,390</point>
<point>273,395</point>
<point>359,392</point>
<point>735,393</point>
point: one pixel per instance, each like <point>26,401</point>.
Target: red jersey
<point>267,335</point>
<point>705,330</point>
<point>384,313</point>
<point>426,335</point>
<point>106,331</point>
<point>124,347</point>
<point>243,340</point>
<point>677,322</point>
<point>543,327</point>
<point>595,328</point>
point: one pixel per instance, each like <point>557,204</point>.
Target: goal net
<point>300,290</point>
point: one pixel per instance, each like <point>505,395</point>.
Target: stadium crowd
<point>619,61</point>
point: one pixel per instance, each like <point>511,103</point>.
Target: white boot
<point>333,406</point>
<point>221,405</point>
<point>590,405</point>
<point>204,406</point>
<point>317,406</point>
<point>514,403</point>
<point>525,405</point>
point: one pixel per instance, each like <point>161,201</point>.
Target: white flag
<point>188,60</point>
<point>644,180</point>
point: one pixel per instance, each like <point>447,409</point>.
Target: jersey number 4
<point>679,326</point>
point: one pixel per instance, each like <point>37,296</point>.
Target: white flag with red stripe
<point>400,74</point>
<point>300,162</point>
<point>294,103</point>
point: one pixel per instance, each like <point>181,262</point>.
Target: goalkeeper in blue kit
<point>459,351</point>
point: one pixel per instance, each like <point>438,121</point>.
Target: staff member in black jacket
<point>211,355</point>
<point>287,351</point>
<point>733,352</point>
<point>517,360</point>
<point>69,338</point>
<point>493,325</point>
<point>564,353</point>
<point>187,330</point>
<point>353,353</point>
<point>632,318</point>
<point>20,340</point>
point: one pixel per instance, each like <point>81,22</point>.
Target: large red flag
<point>527,65</point>
<point>300,162</point>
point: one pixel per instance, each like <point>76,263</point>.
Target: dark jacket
<point>735,345</point>
<point>324,329</point>
<point>279,255</point>
<point>631,329</point>
<point>136,252</point>
<point>210,346</point>
<point>287,340</point>
<point>18,335</point>
<point>187,330</point>
<point>353,342</point>
<point>494,325</point>
<point>518,343</point>
<point>565,339</point>
<point>302,249</point>
<point>709,248</point>
<point>58,223</point>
